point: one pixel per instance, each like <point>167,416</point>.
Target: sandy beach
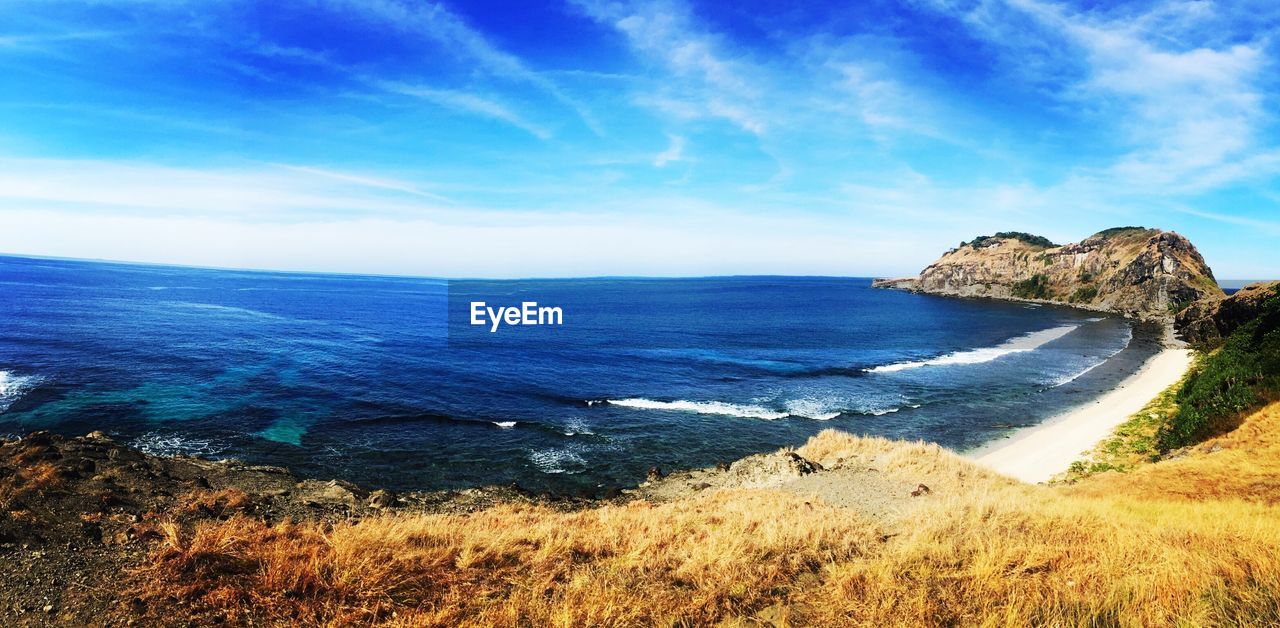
<point>1037,453</point>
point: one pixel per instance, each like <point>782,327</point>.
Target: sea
<point>385,381</point>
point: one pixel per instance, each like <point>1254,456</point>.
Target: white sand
<point>1037,453</point>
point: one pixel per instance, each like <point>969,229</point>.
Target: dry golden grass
<point>1243,464</point>
<point>696,560</point>
<point>1186,542</point>
<point>215,503</point>
<point>32,481</point>
<point>909,460</point>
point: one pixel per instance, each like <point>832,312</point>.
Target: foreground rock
<point>1147,274</point>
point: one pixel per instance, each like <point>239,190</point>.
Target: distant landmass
<point>1138,272</point>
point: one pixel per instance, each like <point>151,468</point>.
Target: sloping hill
<point>1144,273</point>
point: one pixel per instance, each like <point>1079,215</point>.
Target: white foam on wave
<point>1062,381</point>
<point>168,444</point>
<point>506,425</point>
<point>1025,342</point>
<point>558,461</point>
<point>702,407</point>
<point>14,386</point>
<point>815,409</point>
<point>576,427</point>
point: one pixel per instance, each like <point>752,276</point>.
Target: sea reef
<point>1146,274</point>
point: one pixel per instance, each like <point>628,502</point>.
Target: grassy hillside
<point>1193,541</point>
<point>1241,375</point>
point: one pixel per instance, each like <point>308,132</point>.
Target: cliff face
<point>1143,273</point>
<point>1211,320</point>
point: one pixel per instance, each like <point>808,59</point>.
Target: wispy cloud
<point>710,84</point>
<point>369,181</point>
<point>1271,227</point>
<point>469,103</point>
<point>1184,105</point>
<point>674,152</point>
<point>438,22</point>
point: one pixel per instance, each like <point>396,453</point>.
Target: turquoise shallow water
<point>382,380</point>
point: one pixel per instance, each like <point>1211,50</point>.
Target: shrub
<point>1033,240</point>
<point>1115,231</point>
<point>1242,375</point>
<point>1084,294</point>
<point>1037,287</point>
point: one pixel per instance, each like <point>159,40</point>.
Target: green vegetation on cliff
<point>1031,239</point>
<point>1242,375</point>
<point>1117,231</point>
<point>1037,287</point>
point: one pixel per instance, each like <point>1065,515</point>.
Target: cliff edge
<point>1142,273</point>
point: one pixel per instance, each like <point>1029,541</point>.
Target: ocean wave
<point>506,425</point>
<point>827,371</point>
<point>1025,342</point>
<point>13,387</point>
<point>702,407</point>
<point>558,461</point>
<point>1067,379</point>
<point>815,409</point>
<point>577,427</point>
<point>230,310</point>
<point>168,445</point>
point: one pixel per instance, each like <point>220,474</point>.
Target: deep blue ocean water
<point>380,380</point>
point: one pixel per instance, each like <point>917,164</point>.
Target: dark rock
<point>331,493</point>
<point>1208,321</point>
<point>381,499</point>
<point>654,474</point>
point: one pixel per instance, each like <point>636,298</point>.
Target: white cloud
<point>1185,108</point>
<point>705,82</point>
<point>674,152</point>
<point>468,103</point>
<point>436,21</point>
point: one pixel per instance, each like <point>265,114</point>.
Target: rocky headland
<point>1209,321</point>
<point>1146,274</point>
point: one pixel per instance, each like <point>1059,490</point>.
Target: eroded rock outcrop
<point>1210,320</point>
<point>1142,273</point>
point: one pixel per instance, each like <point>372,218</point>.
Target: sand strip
<point>1037,453</point>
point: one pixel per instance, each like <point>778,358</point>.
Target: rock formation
<point>1142,273</point>
<point>1210,320</point>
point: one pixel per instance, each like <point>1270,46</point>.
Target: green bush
<point>1115,231</point>
<point>1241,376</point>
<point>1037,287</point>
<point>1033,240</point>
<point>1084,294</point>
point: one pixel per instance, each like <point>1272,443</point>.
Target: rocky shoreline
<point>77,513</point>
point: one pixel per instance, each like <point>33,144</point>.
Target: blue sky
<point>659,138</point>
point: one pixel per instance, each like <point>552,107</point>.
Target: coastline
<point>1037,453</point>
